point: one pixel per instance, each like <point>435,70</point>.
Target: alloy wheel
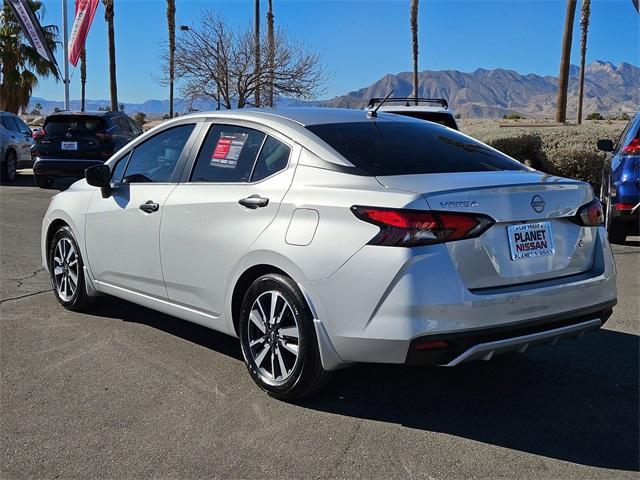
<point>66,269</point>
<point>274,337</point>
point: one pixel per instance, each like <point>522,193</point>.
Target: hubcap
<point>65,269</point>
<point>274,337</point>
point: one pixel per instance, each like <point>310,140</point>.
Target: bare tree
<point>256,49</point>
<point>270,52</point>
<point>565,61</point>
<point>214,61</point>
<point>414,38</point>
<point>584,29</point>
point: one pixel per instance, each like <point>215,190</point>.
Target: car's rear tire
<point>67,272</point>
<point>616,230</point>
<point>9,170</point>
<point>43,181</point>
<point>281,353</point>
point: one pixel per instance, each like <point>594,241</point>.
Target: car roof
<point>302,116</point>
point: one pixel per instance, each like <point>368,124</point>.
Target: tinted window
<point>228,154</point>
<point>60,124</point>
<point>123,125</point>
<point>274,157</point>
<point>135,128</point>
<point>118,170</point>
<point>410,147</point>
<point>155,159</point>
<point>9,123</point>
<point>22,127</point>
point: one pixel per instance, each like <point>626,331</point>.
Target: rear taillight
<point>633,148</point>
<point>590,215</point>
<point>412,228</point>
<point>624,207</point>
<point>38,134</point>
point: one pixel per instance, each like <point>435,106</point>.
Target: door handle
<point>254,201</point>
<point>149,206</point>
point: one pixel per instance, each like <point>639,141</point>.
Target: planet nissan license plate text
<point>530,240</point>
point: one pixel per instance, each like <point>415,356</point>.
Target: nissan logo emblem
<point>537,203</point>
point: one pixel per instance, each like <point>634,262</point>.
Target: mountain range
<point>609,89</point>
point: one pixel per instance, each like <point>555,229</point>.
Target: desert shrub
<point>595,116</point>
<point>458,115</point>
<point>567,151</point>
<point>512,116</point>
<point>141,118</point>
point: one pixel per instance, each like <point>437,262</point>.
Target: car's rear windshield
<point>410,147</point>
<point>445,119</point>
<point>58,124</point>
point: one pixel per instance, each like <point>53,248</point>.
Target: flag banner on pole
<point>85,11</point>
<point>32,29</point>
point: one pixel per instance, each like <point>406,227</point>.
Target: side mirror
<point>99,176</point>
<point>605,145</point>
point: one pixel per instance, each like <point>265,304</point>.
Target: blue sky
<point>361,40</point>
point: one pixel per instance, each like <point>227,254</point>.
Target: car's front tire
<point>67,272</point>
<point>278,339</point>
<point>9,170</point>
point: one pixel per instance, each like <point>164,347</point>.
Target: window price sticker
<point>228,149</point>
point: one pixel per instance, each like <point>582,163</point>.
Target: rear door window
<point>410,147</point>
<point>228,154</point>
<point>273,158</point>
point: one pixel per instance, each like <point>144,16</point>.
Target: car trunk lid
<point>541,204</point>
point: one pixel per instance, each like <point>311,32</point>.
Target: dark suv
<point>71,142</point>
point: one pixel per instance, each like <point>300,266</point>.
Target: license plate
<point>530,240</point>
<point>69,146</point>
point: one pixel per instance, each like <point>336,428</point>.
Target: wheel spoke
<point>283,369</point>
<point>57,260</point>
<point>262,314</point>
<point>73,277</point>
<point>273,362</point>
<point>73,262</point>
<point>285,306</point>
<point>57,271</point>
<point>258,322</point>
<point>289,332</point>
<point>262,354</point>
<point>70,253</point>
<point>291,347</point>
<point>257,341</point>
<point>272,313</point>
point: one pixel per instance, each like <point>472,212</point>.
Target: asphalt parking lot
<point>125,392</point>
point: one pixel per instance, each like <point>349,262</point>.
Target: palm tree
<point>271,51</point>
<point>20,64</point>
<point>414,38</point>
<point>256,47</point>
<point>171,25</point>
<point>83,78</point>
<point>584,29</point>
<point>565,61</point>
<point>113,85</point>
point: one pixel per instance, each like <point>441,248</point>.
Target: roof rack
<point>441,101</point>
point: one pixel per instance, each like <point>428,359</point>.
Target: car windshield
<point>410,147</point>
<point>58,124</point>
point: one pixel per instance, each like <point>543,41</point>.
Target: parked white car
<point>324,237</point>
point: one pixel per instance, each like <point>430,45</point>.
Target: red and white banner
<point>85,11</point>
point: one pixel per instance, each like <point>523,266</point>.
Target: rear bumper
<point>484,344</point>
<point>54,167</point>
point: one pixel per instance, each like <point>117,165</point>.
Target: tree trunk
<point>83,78</point>
<point>584,29</point>
<point>414,38</point>
<point>565,62</point>
<point>171,25</point>
<point>113,86</point>
<point>256,47</point>
<point>271,51</point>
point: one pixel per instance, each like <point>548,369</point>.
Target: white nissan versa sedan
<point>325,237</point>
